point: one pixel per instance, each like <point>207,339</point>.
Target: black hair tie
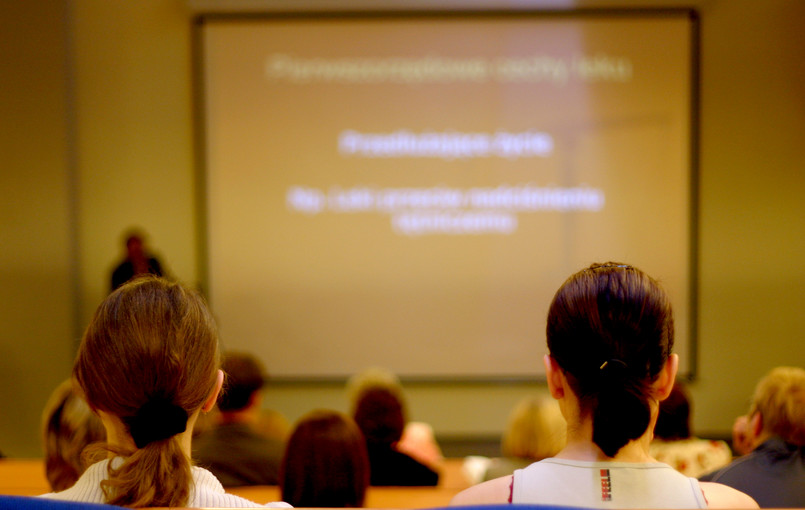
<point>157,419</point>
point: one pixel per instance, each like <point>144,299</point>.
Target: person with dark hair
<point>673,421</point>
<point>418,440</point>
<point>325,463</point>
<point>610,337</point>
<point>674,444</point>
<point>233,449</point>
<point>148,364</point>
<point>136,262</point>
<point>772,436</point>
<point>381,418</point>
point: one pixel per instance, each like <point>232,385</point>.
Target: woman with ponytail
<point>610,335</point>
<point>148,365</point>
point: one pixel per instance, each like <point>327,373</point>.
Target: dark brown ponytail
<point>610,328</point>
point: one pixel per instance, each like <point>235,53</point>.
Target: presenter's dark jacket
<point>125,271</point>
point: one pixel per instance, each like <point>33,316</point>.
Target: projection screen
<point>409,190</point>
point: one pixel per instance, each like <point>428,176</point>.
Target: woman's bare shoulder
<point>491,492</point>
<point>721,496</point>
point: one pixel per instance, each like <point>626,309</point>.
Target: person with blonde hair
<point>68,427</point>
<point>148,364</point>
<point>536,430</point>
<point>610,336</point>
<point>773,434</point>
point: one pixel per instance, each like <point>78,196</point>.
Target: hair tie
<point>157,419</point>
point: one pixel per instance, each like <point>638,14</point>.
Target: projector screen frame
<point>201,140</point>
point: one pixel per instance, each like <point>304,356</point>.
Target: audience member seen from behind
<point>380,416</point>
<point>674,444</point>
<point>68,428</point>
<point>136,262</point>
<point>233,449</point>
<point>148,365</point>
<point>417,439</point>
<point>536,430</point>
<point>610,336</point>
<point>325,463</point>
<point>774,431</point>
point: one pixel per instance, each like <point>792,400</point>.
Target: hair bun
<point>157,419</point>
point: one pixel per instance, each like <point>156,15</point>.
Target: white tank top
<point>605,485</point>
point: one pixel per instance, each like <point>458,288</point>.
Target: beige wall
<point>36,223</point>
<point>126,157</point>
<point>133,104</point>
<point>752,234</point>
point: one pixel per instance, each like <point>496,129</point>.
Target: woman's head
<point>536,429</point>
<point>149,360</point>
<point>325,463</point>
<point>610,329</point>
<point>373,378</point>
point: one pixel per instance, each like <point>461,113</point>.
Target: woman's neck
<point>586,450</point>
<point>580,445</point>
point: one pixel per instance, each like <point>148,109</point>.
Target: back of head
<point>69,426</point>
<point>536,429</point>
<point>380,416</point>
<point>673,421</point>
<point>610,329</point>
<point>244,376</point>
<point>149,359</point>
<point>372,378</point>
<point>780,400</point>
<point>325,463</point>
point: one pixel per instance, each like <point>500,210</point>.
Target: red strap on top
<point>511,490</point>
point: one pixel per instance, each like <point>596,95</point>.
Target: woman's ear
<point>667,377</point>
<point>556,380</point>
<point>213,398</point>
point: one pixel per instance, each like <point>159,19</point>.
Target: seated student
<point>536,430</point>
<point>610,336</point>
<point>233,449</point>
<point>773,473</point>
<point>148,365</point>
<point>674,444</point>
<point>325,463</point>
<point>379,415</point>
<point>68,428</point>
<point>417,439</point>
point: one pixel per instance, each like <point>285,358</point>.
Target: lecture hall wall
<point>97,135</point>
